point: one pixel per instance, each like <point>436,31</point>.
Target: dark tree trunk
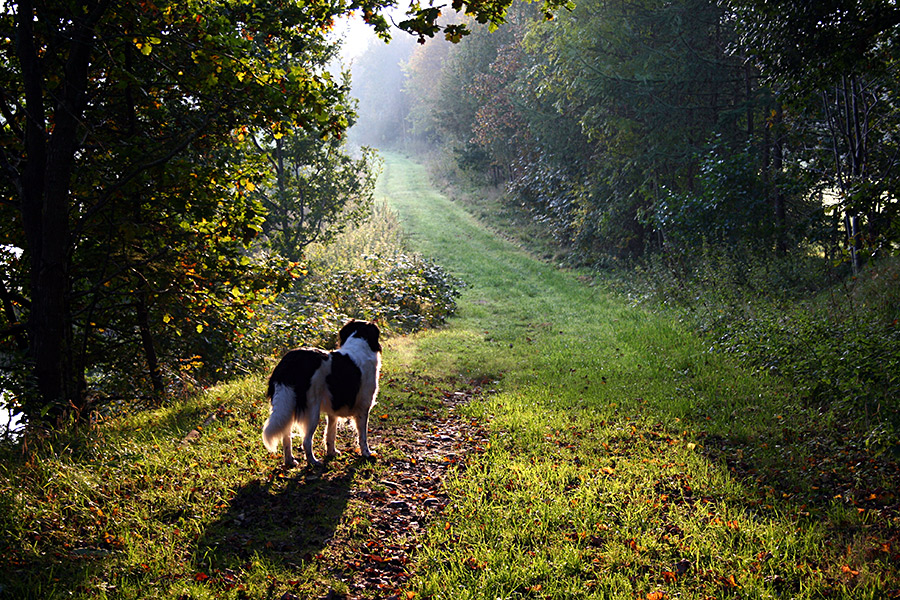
<point>775,189</point>
<point>143,316</point>
<point>45,201</point>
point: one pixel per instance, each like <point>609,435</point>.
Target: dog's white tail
<point>281,417</point>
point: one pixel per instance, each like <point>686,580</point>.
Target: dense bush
<point>365,274</point>
<point>835,338</point>
<point>403,292</point>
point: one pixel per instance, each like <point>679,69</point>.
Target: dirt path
<point>376,560</point>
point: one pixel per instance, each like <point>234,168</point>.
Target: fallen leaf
<point>730,581</point>
<point>682,566</point>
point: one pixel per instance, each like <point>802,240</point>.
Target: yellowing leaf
<point>166,318</point>
<point>200,328</point>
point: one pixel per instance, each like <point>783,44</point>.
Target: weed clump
<point>367,273</point>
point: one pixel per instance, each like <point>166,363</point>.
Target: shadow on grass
<point>286,519</point>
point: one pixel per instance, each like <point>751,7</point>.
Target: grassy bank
<point>627,460</point>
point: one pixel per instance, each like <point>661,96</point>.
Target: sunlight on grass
<point>625,460</point>
<point>608,474</point>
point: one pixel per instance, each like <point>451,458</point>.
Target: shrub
<point>364,274</point>
<point>835,338</point>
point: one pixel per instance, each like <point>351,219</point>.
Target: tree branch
<point>125,179</point>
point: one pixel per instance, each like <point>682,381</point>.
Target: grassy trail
<point>549,442</point>
<point>625,461</point>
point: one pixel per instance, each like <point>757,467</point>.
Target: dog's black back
<point>297,367</point>
<point>296,370</point>
<point>343,381</point>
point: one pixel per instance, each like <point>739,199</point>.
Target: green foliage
<point>596,116</point>
<point>134,212</point>
<point>845,368</point>
<point>405,292</point>
<point>802,44</point>
<point>318,189</point>
<point>365,274</point>
<point>833,64</point>
<point>836,343</point>
<point>622,127</point>
<point>730,206</point>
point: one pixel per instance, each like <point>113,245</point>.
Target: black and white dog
<point>342,384</point>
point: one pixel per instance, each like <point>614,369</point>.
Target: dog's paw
<point>291,463</point>
<point>369,455</point>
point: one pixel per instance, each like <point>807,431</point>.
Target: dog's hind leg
<point>330,433</point>
<point>311,421</point>
<point>289,460</point>
<point>362,427</point>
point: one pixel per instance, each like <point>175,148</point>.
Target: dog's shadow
<point>287,518</point>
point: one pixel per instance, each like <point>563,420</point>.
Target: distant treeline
<point>635,125</point>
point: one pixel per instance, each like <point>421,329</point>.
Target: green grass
<point>625,461</point>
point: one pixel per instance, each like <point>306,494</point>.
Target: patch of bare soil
<point>374,553</point>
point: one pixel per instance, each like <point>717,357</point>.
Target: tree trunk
<point>775,190</point>
<point>46,176</point>
<point>143,316</point>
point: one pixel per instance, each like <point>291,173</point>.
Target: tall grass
<point>367,273</point>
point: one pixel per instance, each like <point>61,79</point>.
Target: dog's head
<point>365,330</point>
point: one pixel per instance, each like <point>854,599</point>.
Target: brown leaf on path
<point>729,581</point>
